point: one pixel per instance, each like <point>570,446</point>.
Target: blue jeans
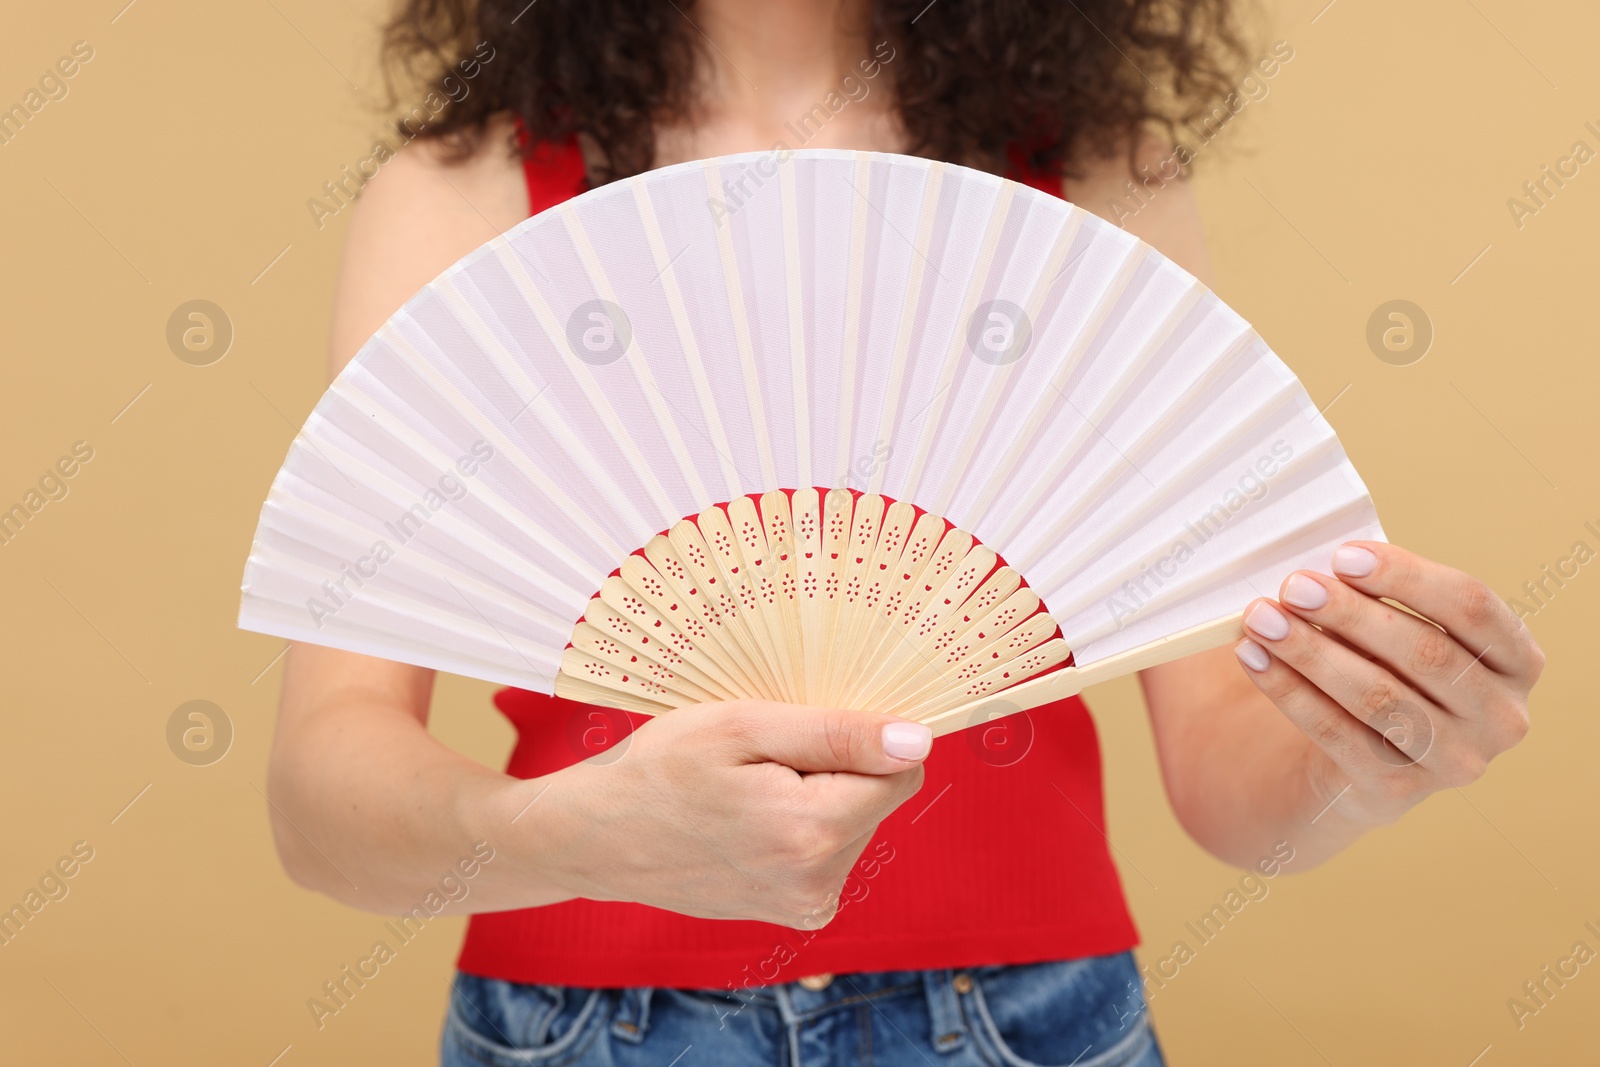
<point>1083,1013</point>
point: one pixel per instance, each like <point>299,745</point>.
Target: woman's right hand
<point>707,812</point>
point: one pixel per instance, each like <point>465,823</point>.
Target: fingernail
<point>1252,655</point>
<point>1267,621</point>
<point>1302,592</point>
<point>909,741</point>
<point>1353,562</point>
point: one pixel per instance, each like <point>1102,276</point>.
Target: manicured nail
<point>909,741</point>
<point>1353,562</point>
<point>1267,621</point>
<point>1252,655</point>
<point>1302,592</point>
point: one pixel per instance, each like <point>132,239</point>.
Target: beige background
<point>178,167</point>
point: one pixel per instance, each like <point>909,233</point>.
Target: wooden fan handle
<point>1058,685</point>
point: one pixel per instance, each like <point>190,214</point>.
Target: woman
<point>747,881</point>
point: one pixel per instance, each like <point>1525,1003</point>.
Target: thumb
<point>831,739</point>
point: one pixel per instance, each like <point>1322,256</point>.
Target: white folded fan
<point>836,428</point>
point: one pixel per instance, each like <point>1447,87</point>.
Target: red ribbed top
<point>1001,858</point>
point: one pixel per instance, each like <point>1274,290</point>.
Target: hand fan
<point>838,428</point>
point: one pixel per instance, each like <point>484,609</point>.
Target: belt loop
<point>632,1020</point>
<point>947,1025</point>
<point>791,1021</point>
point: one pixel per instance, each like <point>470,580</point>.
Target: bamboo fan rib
<point>828,427</point>
<point>756,599</point>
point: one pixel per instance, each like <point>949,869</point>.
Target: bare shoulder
<point>416,217</point>
<point>420,214</point>
<point>1146,197</point>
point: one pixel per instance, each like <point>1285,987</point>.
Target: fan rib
<point>1058,685</point>
<point>666,419</point>
<point>1069,453</point>
<point>999,214</point>
<point>1088,548</point>
<point>999,679</point>
<point>569,687</point>
<point>956,552</point>
<point>280,619</point>
<point>576,663</point>
<point>400,432</point>
<point>1176,590</point>
<point>799,387</point>
<point>865,520</point>
<point>712,534</point>
<point>500,358</point>
<point>761,433</point>
<point>641,641</point>
<point>687,336</point>
<point>781,587</point>
<point>1000,594</point>
<point>675,682</point>
<point>1001,377</point>
<point>635,597</point>
<point>665,617</point>
<point>892,623</point>
<point>1027,436</point>
<point>851,338</point>
<point>599,402</point>
<point>806,523</point>
<point>749,558</point>
<point>980,655</point>
<point>691,608</point>
<point>321,525</point>
<point>906,328</point>
<point>662,645</point>
<point>838,523</point>
<point>864,634</point>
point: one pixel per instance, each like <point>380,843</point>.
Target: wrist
<point>526,824</point>
<point>1332,811</point>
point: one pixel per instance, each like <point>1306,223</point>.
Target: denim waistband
<point>796,1004</point>
<point>1088,1011</point>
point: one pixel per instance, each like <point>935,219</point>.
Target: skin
<point>754,810</point>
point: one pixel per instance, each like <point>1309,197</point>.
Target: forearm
<point>1252,794</point>
<point>1241,778</point>
<point>370,809</point>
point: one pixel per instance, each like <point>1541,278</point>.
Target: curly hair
<point>973,80</point>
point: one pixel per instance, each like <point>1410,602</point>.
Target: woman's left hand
<point>1397,706</point>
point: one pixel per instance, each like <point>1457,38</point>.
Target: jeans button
<point>962,983</point>
<point>816,982</point>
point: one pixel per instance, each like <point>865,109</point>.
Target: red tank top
<point>1001,858</point>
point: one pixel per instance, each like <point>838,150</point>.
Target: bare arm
<point>367,806</point>
<point>707,812</point>
<point>1227,755</point>
<point>1294,750</point>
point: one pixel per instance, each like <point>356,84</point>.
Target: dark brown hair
<point>972,79</point>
